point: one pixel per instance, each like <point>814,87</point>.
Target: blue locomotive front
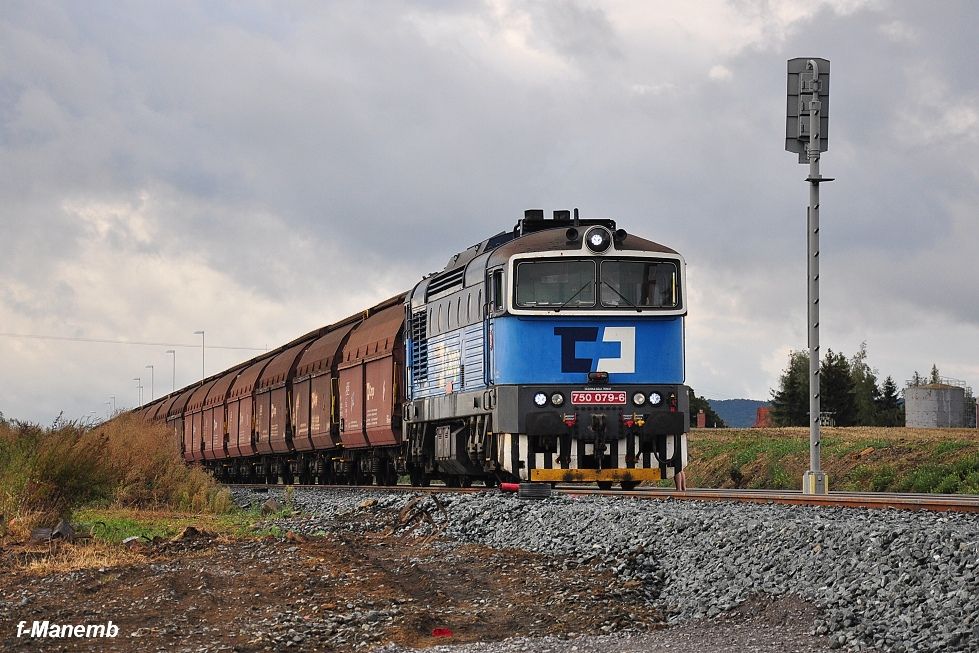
<point>550,353</point>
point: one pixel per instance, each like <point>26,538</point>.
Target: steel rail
<point>872,500</point>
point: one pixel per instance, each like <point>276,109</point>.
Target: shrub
<point>46,474</point>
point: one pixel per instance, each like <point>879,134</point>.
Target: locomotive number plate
<point>597,397</point>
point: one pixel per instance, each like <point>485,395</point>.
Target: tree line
<point>849,389</point>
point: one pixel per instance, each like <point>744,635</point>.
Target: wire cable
<point>106,341</point>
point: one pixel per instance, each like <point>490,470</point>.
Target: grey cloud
<point>294,150</point>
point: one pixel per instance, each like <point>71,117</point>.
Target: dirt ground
<point>341,592</point>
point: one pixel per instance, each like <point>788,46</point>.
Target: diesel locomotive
<point>553,352</point>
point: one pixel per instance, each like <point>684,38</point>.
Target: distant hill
<point>737,413</point>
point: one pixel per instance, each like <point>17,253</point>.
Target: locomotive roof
<point>555,239</point>
<point>529,235</point>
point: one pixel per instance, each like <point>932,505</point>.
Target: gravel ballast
<point>882,580</point>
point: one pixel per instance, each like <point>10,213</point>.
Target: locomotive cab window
<point>555,284</point>
<point>639,284</point>
<point>496,291</point>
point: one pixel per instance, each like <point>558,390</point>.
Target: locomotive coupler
<point>599,427</point>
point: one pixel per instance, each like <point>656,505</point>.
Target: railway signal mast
<point>807,134</point>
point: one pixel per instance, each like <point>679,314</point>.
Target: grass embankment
<point>858,459</point>
<point>48,474</point>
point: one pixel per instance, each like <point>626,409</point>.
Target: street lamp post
<point>173,377</point>
<point>113,398</point>
<point>201,334</point>
<point>108,409</point>
<point>139,389</point>
<point>152,382</point>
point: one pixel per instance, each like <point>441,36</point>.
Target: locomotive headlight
<point>557,398</point>
<point>540,398</point>
<point>639,398</point>
<point>598,239</point>
<point>655,398</point>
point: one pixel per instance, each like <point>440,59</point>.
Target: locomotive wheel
<point>630,485</point>
<point>604,485</point>
<point>465,481</point>
<point>418,478</point>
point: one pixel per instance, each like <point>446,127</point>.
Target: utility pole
<point>152,383</point>
<point>173,377</point>
<point>807,134</point>
<point>139,389</point>
<point>201,334</point>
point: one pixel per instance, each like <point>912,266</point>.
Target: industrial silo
<point>935,405</point>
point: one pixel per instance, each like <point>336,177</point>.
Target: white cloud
<point>719,72</point>
<point>899,32</point>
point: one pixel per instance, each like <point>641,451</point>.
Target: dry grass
<point>150,471</point>
<point>47,473</point>
<point>62,557</point>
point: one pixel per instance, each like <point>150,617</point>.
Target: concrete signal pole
<point>807,134</point>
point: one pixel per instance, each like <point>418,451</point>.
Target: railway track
<point>872,500</point>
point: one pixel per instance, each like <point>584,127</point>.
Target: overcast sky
<point>257,170</point>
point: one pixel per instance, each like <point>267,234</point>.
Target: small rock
<point>191,533</point>
<point>292,536</point>
<point>63,531</point>
<point>270,506</point>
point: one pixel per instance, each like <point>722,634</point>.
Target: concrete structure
<point>938,405</point>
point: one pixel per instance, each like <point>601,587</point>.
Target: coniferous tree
<point>889,411</point>
<point>790,403</point>
<point>837,390</point>
<point>935,376</point>
<point>866,392</point>
<point>916,379</point>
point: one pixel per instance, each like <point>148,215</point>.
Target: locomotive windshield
<point>552,284</point>
<point>627,284</point>
<point>646,284</point>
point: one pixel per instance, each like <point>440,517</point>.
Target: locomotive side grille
<point>419,345</point>
<point>445,283</point>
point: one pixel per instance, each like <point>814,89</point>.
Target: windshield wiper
<point>577,292</point>
<point>638,309</point>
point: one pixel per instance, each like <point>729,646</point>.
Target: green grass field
<point>857,459</point>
